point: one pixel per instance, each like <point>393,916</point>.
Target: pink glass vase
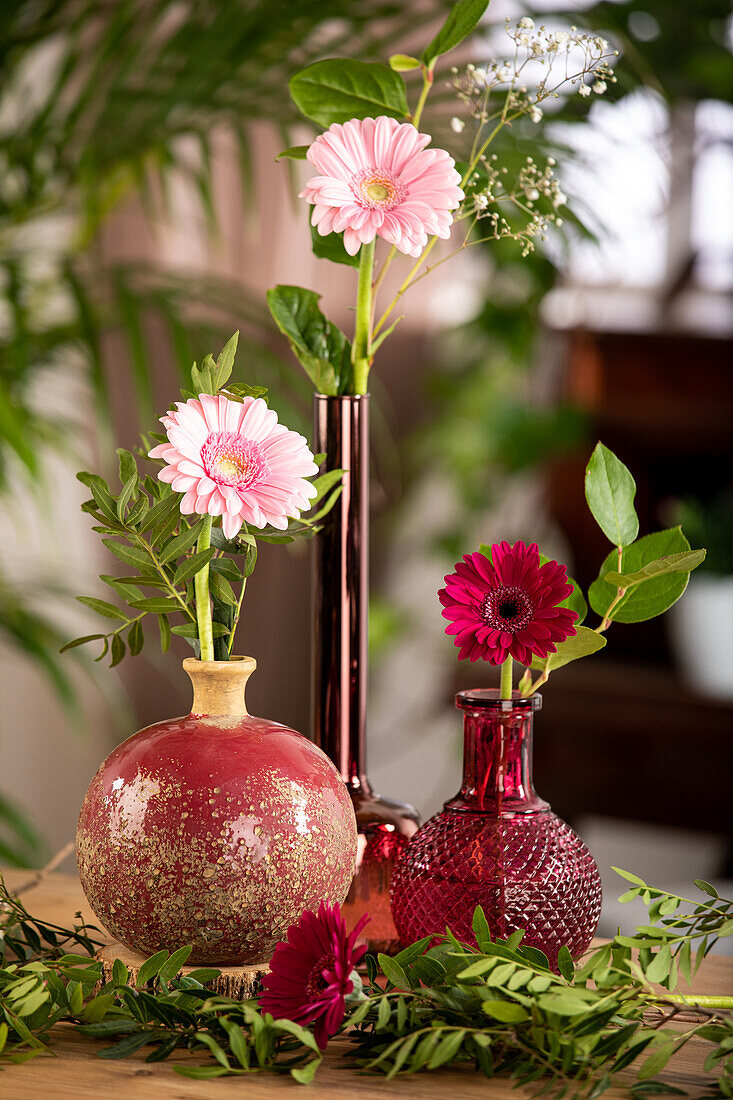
<point>498,845</point>
<point>340,664</point>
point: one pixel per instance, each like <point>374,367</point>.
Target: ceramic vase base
<point>237,982</point>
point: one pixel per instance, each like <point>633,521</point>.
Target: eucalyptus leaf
<point>103,608</point>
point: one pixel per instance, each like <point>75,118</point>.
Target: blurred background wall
<point>143,216</point>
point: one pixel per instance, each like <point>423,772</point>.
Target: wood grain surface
<point>76,1071</point>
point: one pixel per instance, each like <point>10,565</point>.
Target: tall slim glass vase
<point>340,662</point>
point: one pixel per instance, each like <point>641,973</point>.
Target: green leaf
<point>403,63</point>
<point>189,567</point>
<point>337,89</point>
<point>706,887</point>
<point>103,608</point>
<point>320,346</point>
<point>129,492</point>
<point>239,390</point>
<point>463,17</point>
<point>629,876</point>
<point>584,642</point>
<point>150,967</point>
<point>127,465</point>
<point>117,647</point>
<point>447,1048</point>
<point>672,563</point>
<point>393,972</point>
<point>331,247</point>
<point>295,152</point>
<point>157,605</point>
<point>658,968</point>
<point>507,1012</point>
<point>225,362</point>
<point>165,633</point>
<point>161,512</point>
<point>182,543</point>
<point>652,598</point>
<point>130,555</point>
<point>565,963</point>
<point>169,969</point>
<point>135,638</point>
<point>305,1074</point>
<point>610,490</point>
<point>656,1061</point>
<point>481,929</point>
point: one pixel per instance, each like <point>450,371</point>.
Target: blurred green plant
<point>106,104</point>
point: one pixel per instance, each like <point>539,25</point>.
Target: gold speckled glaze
<point>216,829</point>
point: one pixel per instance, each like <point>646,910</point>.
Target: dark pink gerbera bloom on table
<point>507,605</point>
<point>310,973</point>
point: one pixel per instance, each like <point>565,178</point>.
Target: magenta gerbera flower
<point>310,974</point>
<point>507,605</point>
<point>376,178</point>
<point>233,459</point>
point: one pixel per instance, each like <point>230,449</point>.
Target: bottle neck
<point>497,763</point>
<point>219,686</point>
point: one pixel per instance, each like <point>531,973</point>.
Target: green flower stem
<point>506,678</point>
<point>360,357</point>
<point>203,602</point>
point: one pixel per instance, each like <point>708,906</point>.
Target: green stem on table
<point>203,602</point>
<point>362,331</point>
<point>506,678</point>
<point>700,1001</point>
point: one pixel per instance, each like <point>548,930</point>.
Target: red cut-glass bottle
<point>499,845</point>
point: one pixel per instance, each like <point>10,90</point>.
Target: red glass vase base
<point>498,845</point>
<point>384,828</point>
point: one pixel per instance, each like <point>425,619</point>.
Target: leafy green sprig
<point>142,526</point>
<point>638,580</point>
<point>497,1007</point>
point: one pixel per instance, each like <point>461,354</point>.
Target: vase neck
<point>341,589</point>
<point>497,755</point>
<point>219,686</point>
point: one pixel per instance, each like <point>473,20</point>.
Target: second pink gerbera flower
<point>507,605</point>
<point>233,459</point>
<point>376,178</point>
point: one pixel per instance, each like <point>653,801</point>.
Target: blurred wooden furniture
<point>77,1072</point>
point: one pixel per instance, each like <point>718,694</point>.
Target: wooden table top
<point>77,1072</point>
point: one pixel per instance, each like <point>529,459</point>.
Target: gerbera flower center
<point>378,189</point>
<point>506,608</point>
<point>229,459</point>
<point>316,980</point>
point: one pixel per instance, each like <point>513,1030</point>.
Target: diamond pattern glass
<point>498,845</point>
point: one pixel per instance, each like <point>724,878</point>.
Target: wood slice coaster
<point>238,982</point>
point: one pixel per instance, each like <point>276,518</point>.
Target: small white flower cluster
<point>533,184</point>
<point>571,60</point>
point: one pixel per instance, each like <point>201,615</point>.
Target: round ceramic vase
<point>217,829</point>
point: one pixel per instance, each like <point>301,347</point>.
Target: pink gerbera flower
<point>233,459</point>
<point>507,605</point>
<point>375,177</point>
<point>310,975</point>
